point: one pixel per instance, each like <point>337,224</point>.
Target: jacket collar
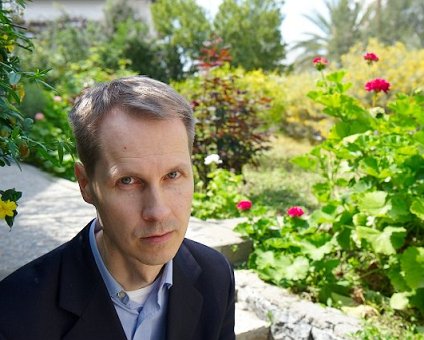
<point>83,293</point>
<point>88,299</point>
<point>185,301</point>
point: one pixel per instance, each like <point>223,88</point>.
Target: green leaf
<point>277,243</point>
<point>317,253</point>
<point>399,211</point>
<point>400,301</point>
<point>374,203</point>
<point>298,270</point>
<point>321,191</point>
<point>412,264</point>
<point>385,242</point>
<point>396,279</point>
<point>417,207</point>
<point>337,76</point>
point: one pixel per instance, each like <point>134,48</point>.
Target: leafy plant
<point>220,198</point>
<point>15,141</point>
<point>367,235</point>
<point>227,116</point>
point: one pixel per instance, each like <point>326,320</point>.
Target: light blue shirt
<point>140,322</point>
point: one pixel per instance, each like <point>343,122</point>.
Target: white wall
<point>44,10</point>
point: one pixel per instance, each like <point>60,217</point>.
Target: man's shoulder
<point>206,257</point>
<point>38,273</point>
<point>33,271</point>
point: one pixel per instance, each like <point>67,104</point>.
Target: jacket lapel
<point>83,293</point>
<point>185,301</point>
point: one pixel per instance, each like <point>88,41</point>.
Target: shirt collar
<point>113,287</point>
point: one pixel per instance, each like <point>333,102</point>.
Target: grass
<point>277,183</point>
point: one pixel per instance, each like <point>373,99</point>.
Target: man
<point>129,274</point>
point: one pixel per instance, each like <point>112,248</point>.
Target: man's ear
<point>84,182</point>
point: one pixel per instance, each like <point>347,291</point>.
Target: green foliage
<point>15,140</point>
<point>220,197</point>
<point>227,116</point>
<point>252,29</point>
<point>51,122</point>
<point>367,234</point>
<point>183,25</point>
<point>129,42</point>
<point>397,21</point>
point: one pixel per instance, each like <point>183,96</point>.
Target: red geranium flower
<point>377,85</point>
<point>320,63</point>
<point>244,205</point>
<point>371,57</point>
<point>295,211</point>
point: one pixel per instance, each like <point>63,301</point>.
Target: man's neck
<point>131,275</point>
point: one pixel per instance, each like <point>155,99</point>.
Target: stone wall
<point>289,316</point>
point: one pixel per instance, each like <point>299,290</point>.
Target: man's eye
<point>173,175</point>
<point>126,180</point>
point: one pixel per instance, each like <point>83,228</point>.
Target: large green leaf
<point>400,301</point>
<point>317,253</point>
<point>383,242</point>
<point>298,270</point>
<point>417,207</point>
<point>374,203</point>
<point>399,211</point>
<point>412,264</point>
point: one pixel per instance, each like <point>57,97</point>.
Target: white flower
<point>213,158</point>
<point>377,111</point>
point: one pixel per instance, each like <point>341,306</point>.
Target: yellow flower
<point>7,208</point>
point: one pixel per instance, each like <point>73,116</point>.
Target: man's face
<point>142,187</point>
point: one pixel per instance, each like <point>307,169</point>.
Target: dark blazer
<point>61,295</point>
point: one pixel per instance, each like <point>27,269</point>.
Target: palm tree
<point>337,31</point>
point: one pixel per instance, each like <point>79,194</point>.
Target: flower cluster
<point>7,208</point>
<point>295,211</point>
<point>212,158</point>
<point>320,63</point>
<point>377,85</point>
<point>371,57</point>
<point>244,205</point>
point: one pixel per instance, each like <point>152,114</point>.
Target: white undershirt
<point>140,295</point>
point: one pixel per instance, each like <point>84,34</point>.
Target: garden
<point>324,164</point>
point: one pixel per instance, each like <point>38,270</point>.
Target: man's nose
<point>155,205</point>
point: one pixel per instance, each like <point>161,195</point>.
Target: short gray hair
<point>138,95</point>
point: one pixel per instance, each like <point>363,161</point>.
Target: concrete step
<point>219,234</point>
<point>248,326</point>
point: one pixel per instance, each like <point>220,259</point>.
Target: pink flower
<point>377,85</point>
<point>39,116</point>
<point>320,63</point>
<point>57,98</point>
<point>371,57</point>
<point>244,205</point>
<point>295,211</point>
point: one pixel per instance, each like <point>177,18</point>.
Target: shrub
<point>220,198</point>
<point>15,140</point>
<point>227,116</point>
<point>364,244</point>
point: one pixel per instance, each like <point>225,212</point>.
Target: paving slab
<point>51,211</point>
